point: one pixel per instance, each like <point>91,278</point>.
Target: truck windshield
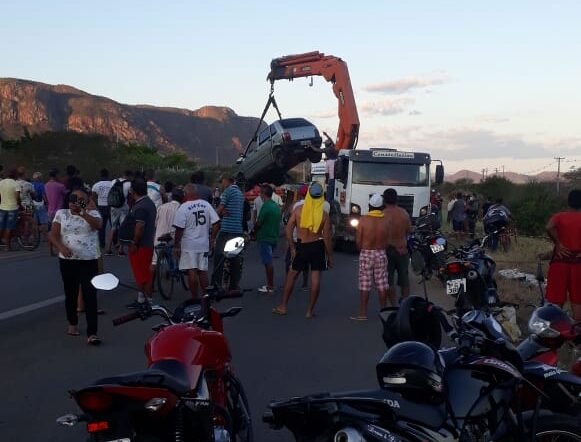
<point>390,174</point>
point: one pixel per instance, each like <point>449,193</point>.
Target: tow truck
<point>358,172</point>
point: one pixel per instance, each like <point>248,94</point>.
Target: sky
<point>476,84</point>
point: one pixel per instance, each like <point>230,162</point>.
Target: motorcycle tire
<point>558,427</point>
<point>240,409</point>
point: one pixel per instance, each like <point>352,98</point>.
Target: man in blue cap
<point>312,250</point>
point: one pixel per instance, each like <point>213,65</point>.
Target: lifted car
<point>280,147</point>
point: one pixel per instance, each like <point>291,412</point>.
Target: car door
<point>260,156</point>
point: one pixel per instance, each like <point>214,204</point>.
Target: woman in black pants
<point>75,234</point>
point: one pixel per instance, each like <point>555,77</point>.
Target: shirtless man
<point>371,237</point>
<point>398,226</point>
<point>312,250</point>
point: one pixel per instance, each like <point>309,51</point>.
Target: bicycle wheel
<point>28,235</point>
<point>164,276</point>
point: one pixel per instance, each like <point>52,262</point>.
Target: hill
<point>209,134</point>
<point>517,178</point>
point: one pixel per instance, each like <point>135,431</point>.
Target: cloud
<point>459,144</point>
<point>407,84</point>
<point>324,114</point>
<point>414,112</point>
<point>390,106</point>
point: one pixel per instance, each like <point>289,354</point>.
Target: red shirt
<point>568,225</point>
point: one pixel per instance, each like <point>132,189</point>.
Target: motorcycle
<point>478,391</point>
<point>550,329</point>
<point>188,392</point>
<point>469,277</point>
<point>427,246</point>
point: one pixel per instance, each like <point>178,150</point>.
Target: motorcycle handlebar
<point>127,318</point>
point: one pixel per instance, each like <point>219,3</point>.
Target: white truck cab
<point>360,173</point>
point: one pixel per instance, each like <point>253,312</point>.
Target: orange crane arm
<point>332,69</point>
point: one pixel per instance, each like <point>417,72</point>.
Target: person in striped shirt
<point>230,210</point>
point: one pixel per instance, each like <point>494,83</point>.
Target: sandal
<point>94,340</point>
<point>278,311</point>
<point>73,333</point>
<point>358,318</point>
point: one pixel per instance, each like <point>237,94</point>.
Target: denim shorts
<point>41,215</point>
<point>8,219</point>
<point>266,250</point>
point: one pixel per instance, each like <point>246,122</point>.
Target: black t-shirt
<point>144,211</point>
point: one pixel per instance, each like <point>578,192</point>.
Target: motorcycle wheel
<point>558,428</point>
<point>240,412</point>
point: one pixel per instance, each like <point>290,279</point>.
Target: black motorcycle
<point>479,391</point>
<point>469,277</point>
<point>427,246</point>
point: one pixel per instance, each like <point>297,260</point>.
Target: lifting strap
<point>271,101</point>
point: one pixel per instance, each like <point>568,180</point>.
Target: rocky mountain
<point>210,134</point>
<point>517,178</point>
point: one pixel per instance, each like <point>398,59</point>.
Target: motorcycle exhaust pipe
<point>348,434</point>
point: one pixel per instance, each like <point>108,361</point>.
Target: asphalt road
<point>275,357</point>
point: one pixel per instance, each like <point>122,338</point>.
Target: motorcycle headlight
<point>354,222</point>
<point>355,209</point>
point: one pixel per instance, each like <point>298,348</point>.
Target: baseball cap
<point>316,190</point>
<point>376,200</point>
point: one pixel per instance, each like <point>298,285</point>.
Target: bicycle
<point>167,272</point>
<point>27,233</point>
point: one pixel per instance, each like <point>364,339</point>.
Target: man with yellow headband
<point>312,250</point>
<point>371,238</point>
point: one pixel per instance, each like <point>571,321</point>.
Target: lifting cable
<point>271,101</point>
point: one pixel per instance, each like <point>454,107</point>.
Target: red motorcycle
<point>188,392</point>
<point>550,328</point>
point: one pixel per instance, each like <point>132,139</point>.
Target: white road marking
<point>30,308</point>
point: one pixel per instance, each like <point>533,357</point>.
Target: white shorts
<point>194,260</point>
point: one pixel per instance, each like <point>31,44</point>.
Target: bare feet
<point>310,315</point>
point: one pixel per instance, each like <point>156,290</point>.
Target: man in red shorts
<point>143,215</point>
<point>371,240</point>
<point>564,277</point>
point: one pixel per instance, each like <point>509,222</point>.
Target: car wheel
<point>279,157</point>
<point>315,157</point>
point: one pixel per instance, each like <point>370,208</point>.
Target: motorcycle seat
<point>168,374</point>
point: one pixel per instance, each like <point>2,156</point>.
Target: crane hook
<point>311,82</point>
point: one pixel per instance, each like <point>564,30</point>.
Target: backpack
<point>116,197</point>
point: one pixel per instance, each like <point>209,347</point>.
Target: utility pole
<point>483,171</point>
<point>503,170</point>
<point>496,170</point>
<point>559,173</point>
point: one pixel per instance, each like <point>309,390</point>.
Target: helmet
<point>550,323</point>
<point>413,369</point>
<point>414,320</point>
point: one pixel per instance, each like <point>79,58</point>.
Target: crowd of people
<point>131,215</point>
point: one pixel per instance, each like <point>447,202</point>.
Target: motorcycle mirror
<point>234,247</point>
<point>106,281</point>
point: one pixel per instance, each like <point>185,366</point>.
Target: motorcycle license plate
<point>453,286</point>
<point>436,248</point>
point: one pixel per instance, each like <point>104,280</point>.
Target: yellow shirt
<point>8,189</point>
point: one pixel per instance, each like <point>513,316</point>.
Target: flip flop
<point>94,340</point>
<point>311,316</point>
<point>358,318</point>
<point>279,312</point>
<point>73,333</point>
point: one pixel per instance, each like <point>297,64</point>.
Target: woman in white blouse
<point>74,233</point>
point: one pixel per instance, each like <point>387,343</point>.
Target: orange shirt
<point>568,225</point>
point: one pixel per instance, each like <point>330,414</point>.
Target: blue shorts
<point>41,215</point>
<point>8,219</point>
<point>266,250</point>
